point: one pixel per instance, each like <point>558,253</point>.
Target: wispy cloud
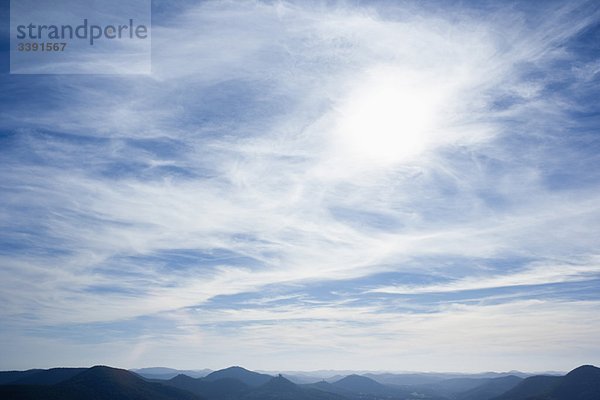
<point>278,147</point>
<point>535,275</point>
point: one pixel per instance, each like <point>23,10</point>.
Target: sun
<point>388,117</point>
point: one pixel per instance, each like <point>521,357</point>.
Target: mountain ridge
<point>107,383</point>
<point>248,377</point>
<point>97,383</point>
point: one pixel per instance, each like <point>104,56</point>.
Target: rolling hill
<point>236,383</point>
<point>49,376</point>
<point>280,388</point>
<point>582,383</point>
<point>168,373</point>
<point>7,377</point>
<point>360,384</point>
<point>491,388</point>
<point>97,383</point>
<point>220,389</point>
<point>532,387</point>
<point>250,378</point>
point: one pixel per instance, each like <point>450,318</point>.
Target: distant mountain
<point>491,388</point>
<point>168,373</point>
<point>361,384</point>
<point>300,379</point>
<point>328,387</point>
<point>230,388</point>
<point>281,385</point>
<point>405,379</point>
<point>318,375</point>
<point>97,383</point>
<point>236,383</point>
<point>425,378</point>
<point>531,388</point>
<point>250,378</point>
<point>280,388</point>
<point>452,387</point>
<point>582,383</point>
<point>358,387</point>
<point>220,389</point>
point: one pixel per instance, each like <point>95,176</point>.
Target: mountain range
<point>237,383</point>
<point>168,373</point>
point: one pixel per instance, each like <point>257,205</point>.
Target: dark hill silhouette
<point>582,383</point>
<point>220,389</point>
<point>250,378</point>
<point>97,383</point>
<point>49,376</point>
<point>105,383</point>
<point>532,387</point>
<point>7,377</point>
<point>491,388</point>
<point>277,388</point>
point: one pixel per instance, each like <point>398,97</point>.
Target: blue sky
<point>309,185</point>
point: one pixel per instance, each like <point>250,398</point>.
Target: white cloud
<point>537,274</point>
<point>270,187</point>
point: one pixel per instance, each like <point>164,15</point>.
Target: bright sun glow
<point>389,117</point>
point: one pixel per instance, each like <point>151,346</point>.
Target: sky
<point>385,185</point>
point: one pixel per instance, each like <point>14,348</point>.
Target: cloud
<point>535,275</point>
<point>280,146</point>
